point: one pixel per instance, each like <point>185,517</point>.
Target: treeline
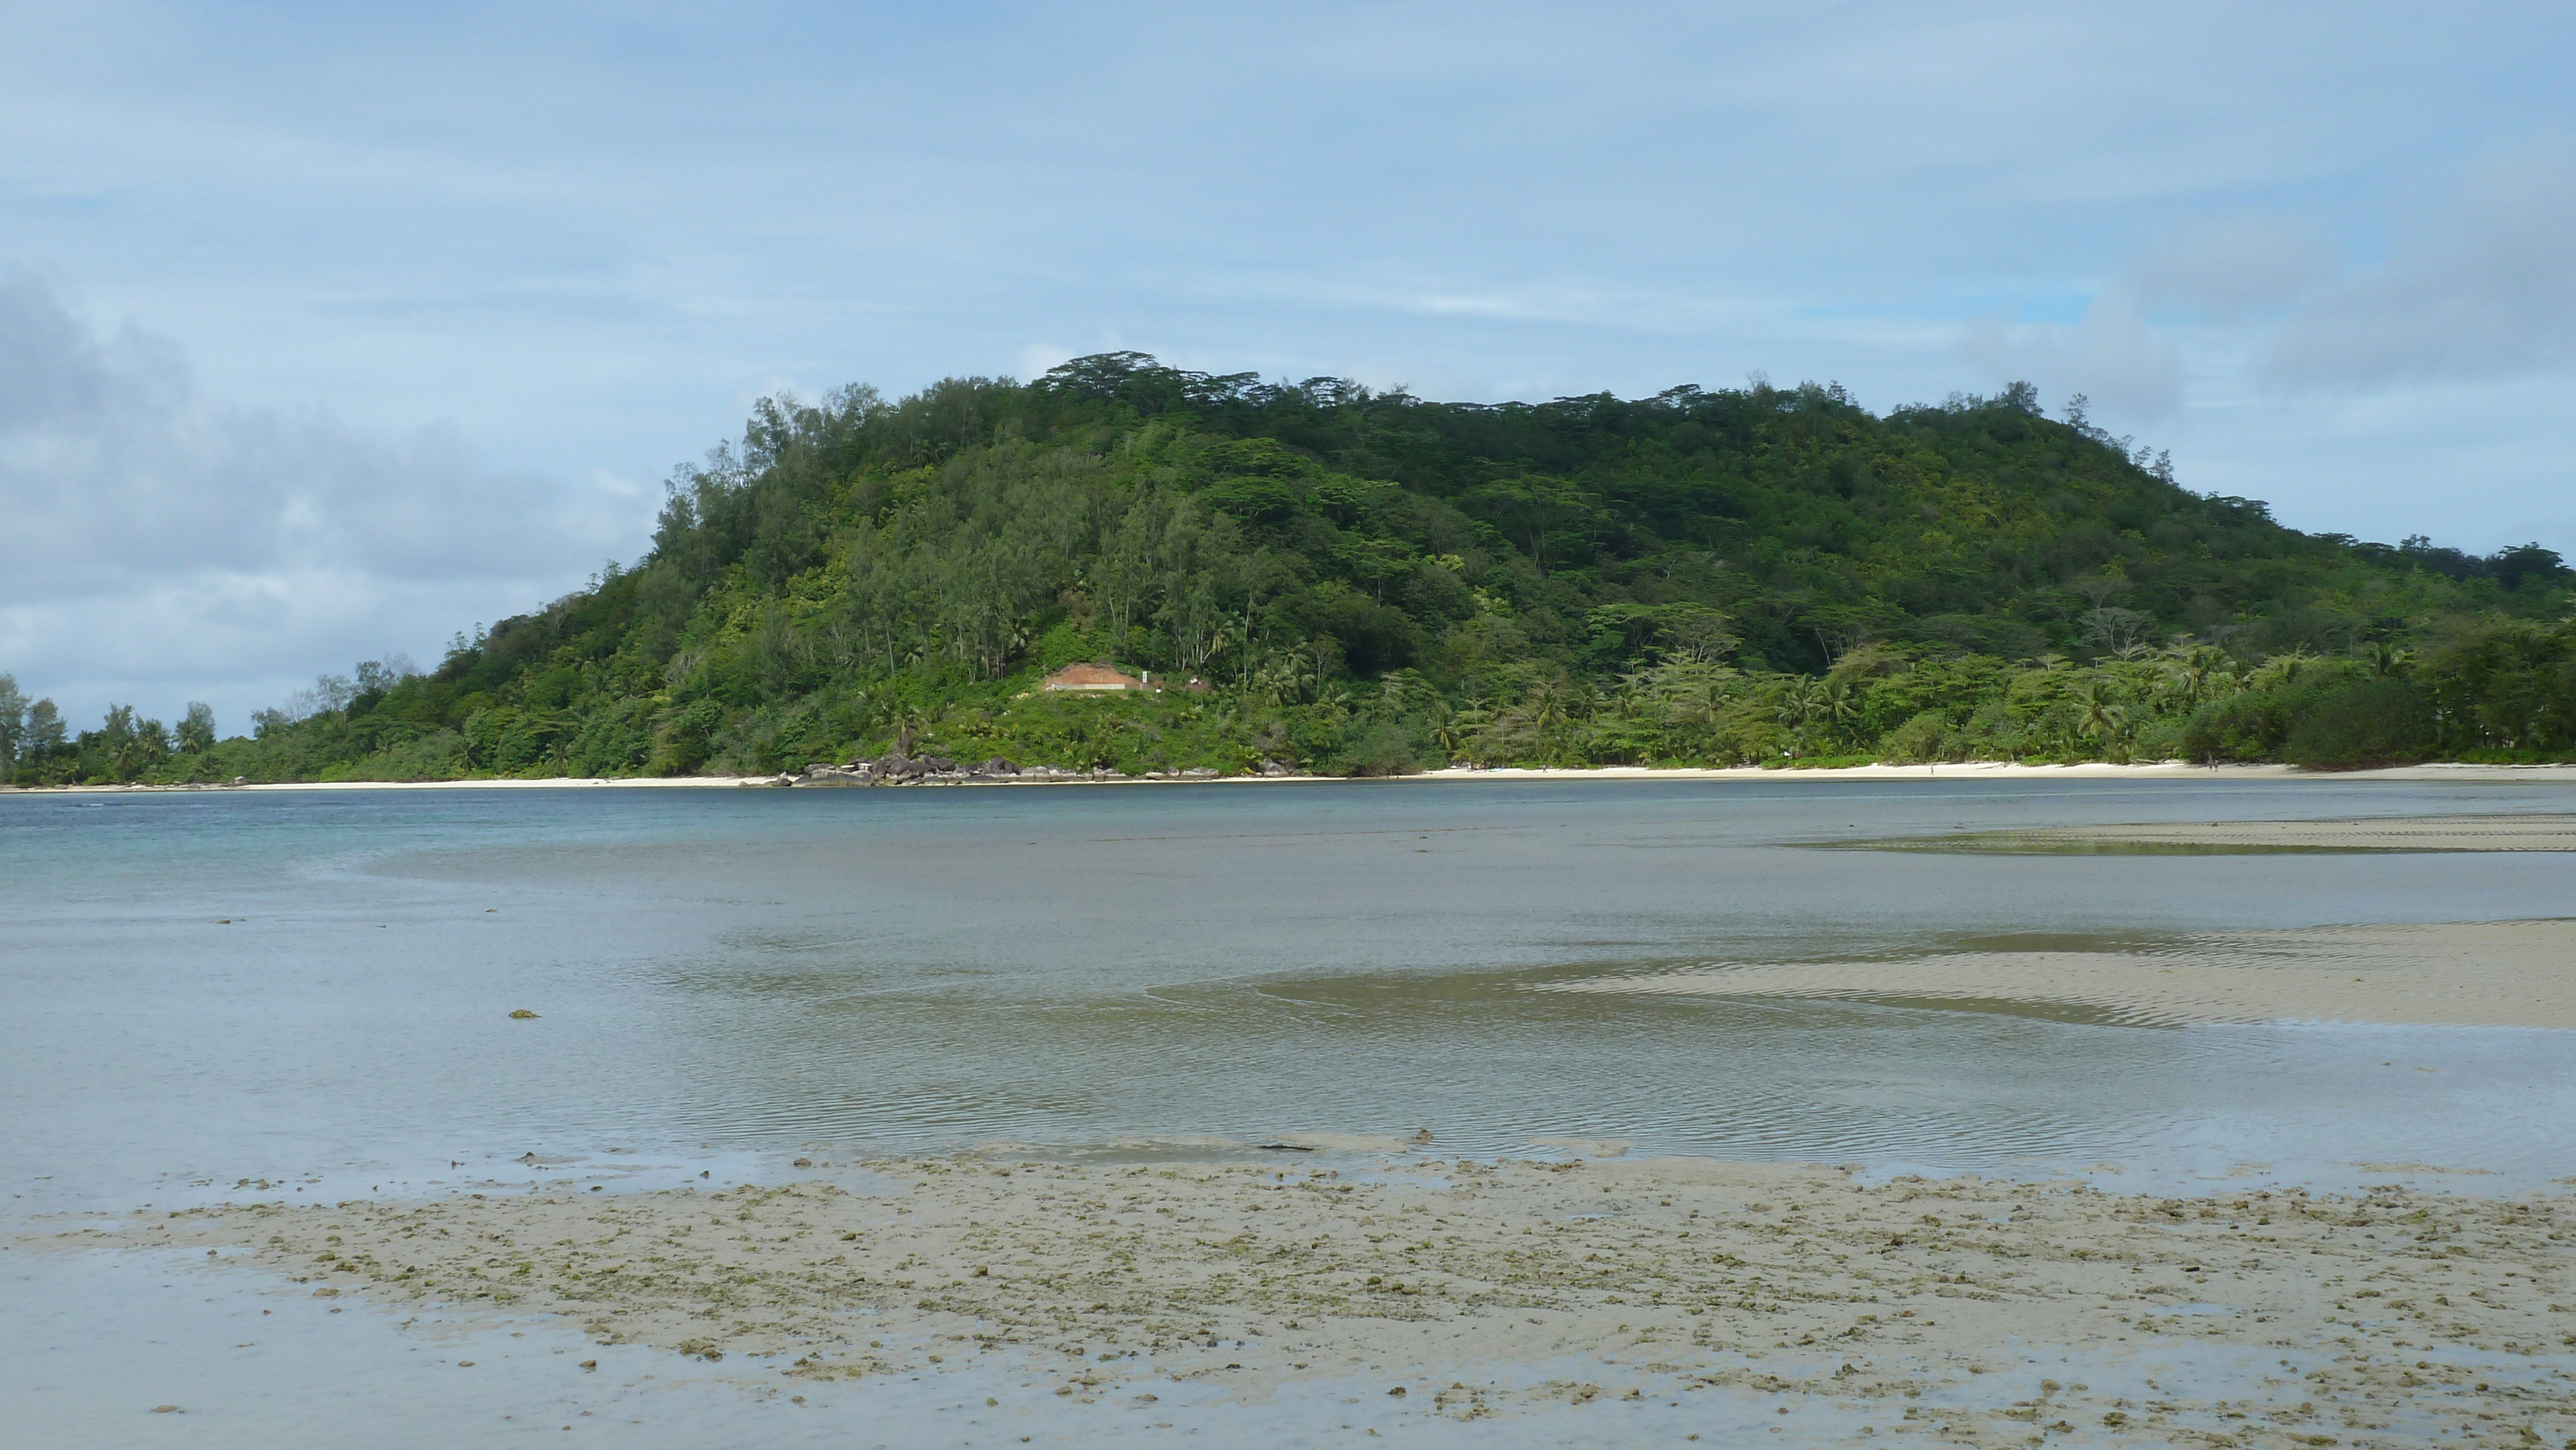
<point>36,747</point>
<point>1373,583</point>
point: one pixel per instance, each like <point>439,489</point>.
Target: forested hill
<point>1369,582</point>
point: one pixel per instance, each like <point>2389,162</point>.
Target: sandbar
<point>2491,973</point>
<point>2534,832</point>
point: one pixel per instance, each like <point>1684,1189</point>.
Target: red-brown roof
<point>1091,677</point>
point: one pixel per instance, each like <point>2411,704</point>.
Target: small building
<point>1092,679</point>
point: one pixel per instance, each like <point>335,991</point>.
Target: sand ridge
<point>1918,1302</point>
<point>2499,832</point>
<point>2498,973</point>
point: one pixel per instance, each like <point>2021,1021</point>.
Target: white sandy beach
<point>1972,770</point>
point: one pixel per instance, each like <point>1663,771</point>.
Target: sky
<point>327,332</point>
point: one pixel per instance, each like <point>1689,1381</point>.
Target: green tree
<point>13,725</point>
<point>197,728</point>
<point>45,740</point>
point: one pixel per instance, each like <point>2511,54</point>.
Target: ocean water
<point>294,985</point>
<point>278,995</point>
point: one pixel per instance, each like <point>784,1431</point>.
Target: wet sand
<point>1914,1306</point>
<point>2494,974</point>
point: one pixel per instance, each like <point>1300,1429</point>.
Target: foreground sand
<point>2499,974</point>
<point>1917,1306</point>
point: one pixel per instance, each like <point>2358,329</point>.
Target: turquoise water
<point>734,976</point>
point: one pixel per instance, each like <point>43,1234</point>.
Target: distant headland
<point>1315,578</point>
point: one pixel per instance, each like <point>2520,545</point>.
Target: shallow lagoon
<point>306,996</point>
<point>756,972</point>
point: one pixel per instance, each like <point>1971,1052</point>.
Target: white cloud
<point>2485,287</point>
<point>2232,268</point>
<point>162,546</point>
<point>590,240</point>
<point>2110,354</point>
<point>1038,358</point>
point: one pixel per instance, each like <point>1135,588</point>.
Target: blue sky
<point>325,332</point>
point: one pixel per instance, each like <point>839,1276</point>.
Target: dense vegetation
<point>1372,583</point>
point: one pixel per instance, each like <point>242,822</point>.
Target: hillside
<point>1372,583</point>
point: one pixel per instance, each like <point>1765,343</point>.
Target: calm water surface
<point>755,972</point>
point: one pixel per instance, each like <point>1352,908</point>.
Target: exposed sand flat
<point>2406,833</point>
<point>1922,1306</point>
<point>2500,974</point>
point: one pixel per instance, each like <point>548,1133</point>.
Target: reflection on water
<point>885,970</point>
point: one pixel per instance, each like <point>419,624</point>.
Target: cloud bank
<point>2484,286</point>
<point>2321,251</point>
<point>2110,354</point>
<point>160,543</point>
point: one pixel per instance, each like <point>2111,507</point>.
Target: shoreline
<point>1921,1305</point>
<point>2462,773</point>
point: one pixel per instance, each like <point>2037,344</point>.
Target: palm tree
<point>1448,734</point>
<point>909,721</point>
<point>1690,693</point>
<point>2103,717</point>
<point>2284,669</point>
<point>2191,672</point>
<point>1801,705</point>
<point>1838,703</point>
<point>1796,704</point>
<point>1551,706</point>
<point>1285,679</point>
